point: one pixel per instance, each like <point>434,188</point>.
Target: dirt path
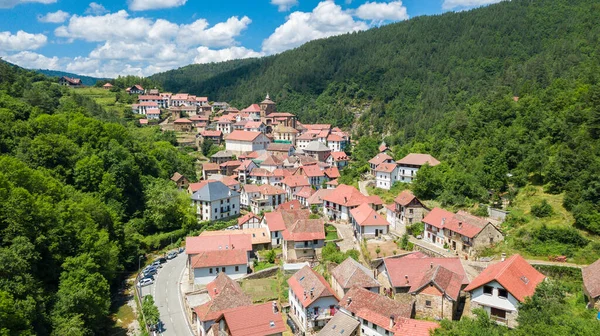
<point>362,186</point>
<point>347,234</point>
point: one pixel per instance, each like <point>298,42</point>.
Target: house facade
<point>406,210</point>
<point>386,175</point>
<point>216,201</point>
<point>409,165</point>
<point>350,273</point>
<point>367,223</point>
<point>240,142</point>
<point>302,238</point>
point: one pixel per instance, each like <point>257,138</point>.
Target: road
<point>362,186</point>
<point>166,293</point>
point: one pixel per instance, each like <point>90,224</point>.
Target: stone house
<point>302,238</point>
<point>221,157</point>
<point>181,181</point>
<point>591,284</point>
<point>406,210</point>
<point>350,273</point>
<point>437,293</point>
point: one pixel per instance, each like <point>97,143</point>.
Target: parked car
<point>150,272</point>
<point>161,260</point>
<point>181,249</point>
<point>171,255</point>
<point>156,263</point>
<point>149,276</point>
<point>145,282</point>
<point>150,268</point>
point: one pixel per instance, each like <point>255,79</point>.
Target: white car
<point>145,282</point>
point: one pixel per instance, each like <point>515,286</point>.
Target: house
<point>367,222</point>
<point>209,255</point>
<point>179,99</point>
<point>160,101</point>
<point>331,173</point>
<point>152,113</point>
<point>144,107</point>
<point>216,201</point>
<point>284,133</point>
<point>136,89</point>
<point>229,168</point>
<point>245,169</point>
<point>269,197</point>
<point>312,301</point>
<point>229,181</point>
<point>271,163</point>
<point>409,165</point>
<point>341,325</point>
<point>281,149</point>
<point>248,221</point>
<point>278,221</point>
<point>281,118</point>
<point>221,157</point>
<point>332,184</point>
<point>338,159</point>
<point>182,125</point>
<point>209,169</point>
<point>181,181</point>
<point>240,142</point>
<point>222,294</point>
<point>143,122</point>
<point>437,294</point>
<point>302,238</point>
<point>314,173</point>
<point>225,125</point>
<point>259,237</point>
<point>318,150</point>
<point>383,148</point>
<point>260,176</point>
<point>406,210</point>
<point>294,183</point>
<point>350,273</point>
<point>215,136</point>
<point>379,159</point>
<point>248,192</point>
<point>591,284</point>
<point>290,205</point>
<point>386,175</point>
<point>70,82</point>
<point>107,86</point>
<point>303,140</point>
<point>316,199</point>
<point>255,126</point>
<point>303,195</point>
<point>263,319</point>
<point>502,287</point>
<point>336,143</point>
<point>462,232</point>
<point>338,203</point>
<point>377,314</point>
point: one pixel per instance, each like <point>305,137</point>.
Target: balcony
<point>322,314</point>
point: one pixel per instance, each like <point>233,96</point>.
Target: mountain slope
<point>86,80</point>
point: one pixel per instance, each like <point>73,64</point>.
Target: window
<point>502,293</point>
<point>210,270</point>
<point>428,303</point>
<point>410,211</point>
<point>498,313</point>
<point>237,268</point>
<point>487,290</point>
<point>222,269</point>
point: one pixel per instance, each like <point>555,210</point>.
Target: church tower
<point>267,106</point>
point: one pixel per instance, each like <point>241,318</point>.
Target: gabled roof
<point>282,219</point>
<point>374,308</point>
<point>444,279</point>
<point>348,196</point>
<point>316,146</point>
<point>216,242</point>
<point>232,163</point>
<point>405,197</point>
<point>149,97</point>
<point>514,274</point>
<point>339,156</point>
<point>176,177</point>
<point>411,327</point>
<point>386,167</point>
<point>227,180</point>
<point>258,235</point>
<point>238,135</point>
<point>209,133</point>
<point>255,320</point>
<point>364,215</point>
<point>334,137</point>
<point>306,280</point>
<point>317,126</point>
<point>246,218</point>
<point>305,230</point>
<point>225,294</point>
<point>193,187</point>
<point>332,172</point>
<point>253,124</point>
<point>351,273</point>
<point>219,258</point>
<point>380,158</point>
<point>312,171</point>
<point>290,205</point>
<point>461,222</point>
<point>210,166</point>
<point>252,108</point>
<point>182,121</point>
<point>418,160</point>
<point>260,172</point>
<point>267,189</point>
<point>271,160</point>
<point>317,197</point>
<point>305,192</point>
<point>214,191</point>
<point>591,279</point>
<point>279,147</point>
<point>383,147</point>
<point>409,270</point>
<point>340,325</point>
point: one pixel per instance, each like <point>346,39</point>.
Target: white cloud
<point>96,9</point>
<point>21,41</point>
<point>206,55</point>
<point>220,35</point>
<point>55,17</point>
<point>13,3</point>
<point>327,19</point>
<point>32,60</point>
<point>107,27</point>
<point>382,11</point>
<point>141,5</point>
<point>453,4</point>
<point>284,5</point>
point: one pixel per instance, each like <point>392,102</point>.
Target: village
<point>279,179</point>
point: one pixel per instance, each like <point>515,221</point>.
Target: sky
<point>107,38</point>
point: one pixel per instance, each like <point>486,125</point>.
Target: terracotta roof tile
<point>222,241</point>
<point>348,196</point>
<point>447,281</point>
<point>405,197</point>
<point>374,308</point>
<point>208,133</point>
<point>351,273</point>
<point>380,158</point>
<point>415,266</point>
<point>225,294</point>
<point>591,279</point>
<point>306,280</point>
<point>296,181</point>
<point>365,215</point>
<point>461,222</point>
<point>418,160</point>
<point>339,156</point>
<point>219,258</point>
<point>411,327</point>
<point>305,192</point>
<point>246,218</point>
<point>255,320</point>
<point>386,167</point>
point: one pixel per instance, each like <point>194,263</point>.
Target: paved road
<point>345,232</point>
<point>165,291</point>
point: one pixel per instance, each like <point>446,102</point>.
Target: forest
<point>83,193</point>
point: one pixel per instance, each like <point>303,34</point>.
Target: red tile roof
<point>591,279</point>
<point>255,320</point>
<point>151,104</point>
<point>225,294</point>
<point>317,197</point>
<point>332,172</point>
<point>238,135</point>
<point>267,189</point>
<point>383,147</point>
<point>411,327</point>
<point>348,196</point>
<point>252,108</point>
<point>305,192</point>
<point>386,167</point>
<point>364,215</point>
<point>210,166</point>
<point>295,181</point>
<point>312,171</point>
<point>415,266</point>
<point>290,205</point>
<point>225,241</point>
<point>405,197</point>
<point>305,280</point>
<point>514,274</point>
<point>260,172</point>
<point>339,156</point>
<point>271,160</point>
<point>193,187</point>
<point>233,163</point>
<point>444,279</point>
<point>211,133</point>
<point>317,126</point>
<point>251,188</point>
<point>305,230</point>
<point>149,97</point>
<point>374,308</point>
<point>333,182</point>
<point>351,273</point>
<point>380,158</point>
<point>219,258</point>
<point>461,222</point>
<point>246,218</point>
<point>253,124</point>
<point>418,160</point>
<point>334,137</point>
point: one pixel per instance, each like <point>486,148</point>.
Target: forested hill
<point>86,80</point>
<point>83,193</point>
<point>413,71</point>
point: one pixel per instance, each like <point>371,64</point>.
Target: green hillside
<point>86,80</point>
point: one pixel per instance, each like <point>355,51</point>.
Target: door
<point>454,245</point>
<point>376,233</point>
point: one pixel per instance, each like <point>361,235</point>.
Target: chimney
<point>443,221</point>
<point>406,277</point>
<point>232,247</point>
<point>460,225</point>
<point>391,321</point>
<point>349,300</point>
<point>345,199</point>
<point>430,265</point>
<point>275,308</point>
<point>305,294</point>
<point>503,256</point>
<point>312,294</point>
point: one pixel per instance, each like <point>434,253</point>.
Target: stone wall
<point>511,317</point>
<point>441,307</point>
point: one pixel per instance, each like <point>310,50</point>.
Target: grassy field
<point>387,196</point>
<point>261,290</point>
<point>331,232</point>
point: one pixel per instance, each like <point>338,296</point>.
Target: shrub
<point>542,209</point>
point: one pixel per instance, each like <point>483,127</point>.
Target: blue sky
<point>142,37</point>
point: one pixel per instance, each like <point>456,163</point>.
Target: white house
<point>367,222</point>
<point>386,175</point>
<point>302,238</point>
<point>245,169</point>
<point>338,159</point>
<point>225,125</point>
<point>215,201</point>
<point>160,101</point>
<point>255,126</point>
<point>410,164</point>
<point>268,198</point>
<point>278,221</point>
<point>240,142</point>
<point>379,159</point>
<point>502,287</point>
<point>336,143</point>
<point>249,221</point>
<point>338,203</point>
<point>312,301</point>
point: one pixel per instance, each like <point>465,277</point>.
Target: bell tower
<point>267,106</point>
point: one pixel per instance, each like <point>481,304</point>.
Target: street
<point>165,291</point>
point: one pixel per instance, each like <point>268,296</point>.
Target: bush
<point>481,211</point>
<point>415,229</point>
<point>543,209</point>
<point>271,255</point>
